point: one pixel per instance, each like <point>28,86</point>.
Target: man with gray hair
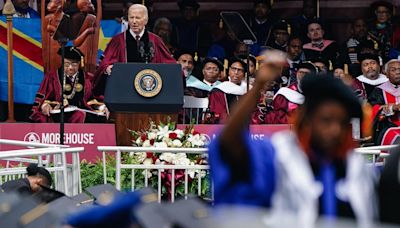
<point>385,101</point>
<point>136,44</point>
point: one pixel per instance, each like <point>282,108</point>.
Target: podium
<point>136,92</point>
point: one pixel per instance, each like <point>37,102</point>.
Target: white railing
<point>159,167</point>
<point>61,168</point>
<point>377,152</point>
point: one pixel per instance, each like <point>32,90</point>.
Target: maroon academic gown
<point>116,52</point>
<point>50,89</point>
<point>285,102</point>
<point>222,97</point>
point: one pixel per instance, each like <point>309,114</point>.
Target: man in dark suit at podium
<point>136,44</point>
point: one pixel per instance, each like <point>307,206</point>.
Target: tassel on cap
<point>226,64</point>
<point>82,61</point>
<point>346,69</point>
<point>196,57</point>
<point>143,2</point>
<point>289,29</point>
<point>221,24</point>
<point>330,65</point>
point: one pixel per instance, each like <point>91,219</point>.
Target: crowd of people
<point>218,66</point>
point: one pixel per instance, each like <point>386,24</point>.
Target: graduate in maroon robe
<point>227,93</point>
<point>285,102</point>
<point>385,101</point>
<point>136,44</point>
<point>78,91</point>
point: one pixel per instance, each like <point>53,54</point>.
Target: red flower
<point>151,141</point>
<point>172,135</point>
<point>143,137</point>
<point>196,132</point>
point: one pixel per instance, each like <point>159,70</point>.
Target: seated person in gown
<point>77,94</point>
<point>297,174</point>
<point>227,93</point>
<point>285,101</point>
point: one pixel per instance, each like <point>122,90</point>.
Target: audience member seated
<point>224,95</point>
<point>351,46</point>
<point>190,32</point>
<point>163,28</point>
<point>285,101</point>
<point>385,101</point>
<point>185,59</point>
<point>295,56</point>
<point>23,10</point>
<point>252,66</point>
<point>77,94</point>
<point>371,76</point>
<point>300,23</point>
<point>212,68</point>
<point>280,36</point>
<point>319,48</point>
<point>381,28</point>
<point>261,23</point>
<point>324,65</point>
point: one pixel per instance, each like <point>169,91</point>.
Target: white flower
<point>148,161</point>
<point>196,140</point>
<point>151,135</point>
<point>176,143</point>
<point>168,157</point>
<point>179,133</point>
<point>138,141</point>
<point>146,143</point>
<point>181,161</point>
<point>149,174</point>
<point>160,145</point>
<point>168,141</point>
<point>140,156</point>
<point>162,132</point>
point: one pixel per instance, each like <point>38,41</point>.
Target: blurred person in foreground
<point>36,178</point>
<point>301,174</point>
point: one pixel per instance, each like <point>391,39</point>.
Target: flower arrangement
<point>167,135</point>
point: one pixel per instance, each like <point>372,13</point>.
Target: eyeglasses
<point>73,64</point>
<point>392,69</point>
<point>235,69</point>
<point>215,69</point>
<point>382,12</point>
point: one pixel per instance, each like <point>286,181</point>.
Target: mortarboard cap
<point>281,25</point>
<point>213,60</point>
<point>187,213</point>
<point>321,88</point>
<point>362,57</point>
<point>179,53</point>
<point>47,194</point>
<point>308,65</point>
<point>386,4</point>
<point>72,53</point>
<point>188,3</point>
<point>104,194</point>
<point>15,213</point>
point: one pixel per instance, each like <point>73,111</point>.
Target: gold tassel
<point>143,2</point>
<point>272,2</point>
<point>330,66</point>
<point>196,57</point>
<point>376,46</point>
<point>346,69</point>
<point>226,63</point>
<point>289,29</point>
<point>82,62</point>
<point>221,24</point>
<point>380,61</point>
<point>257,64</point>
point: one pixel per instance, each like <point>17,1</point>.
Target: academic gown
<point>197,88</point>
<point>286,100</point>
<point>21,186</point>
<point>369,85</point>
<point>50,90</point>
<point>122,49</point>
<point>384,94</point>
<point>329,51</point>
<point>223,96</point>
<point>279,176</point>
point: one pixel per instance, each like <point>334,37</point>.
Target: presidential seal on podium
<point>148,83</point>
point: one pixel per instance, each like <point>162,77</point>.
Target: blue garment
<point>328,178</point>
<point>258,189</point>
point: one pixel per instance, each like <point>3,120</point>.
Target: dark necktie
<point>137,37</point>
